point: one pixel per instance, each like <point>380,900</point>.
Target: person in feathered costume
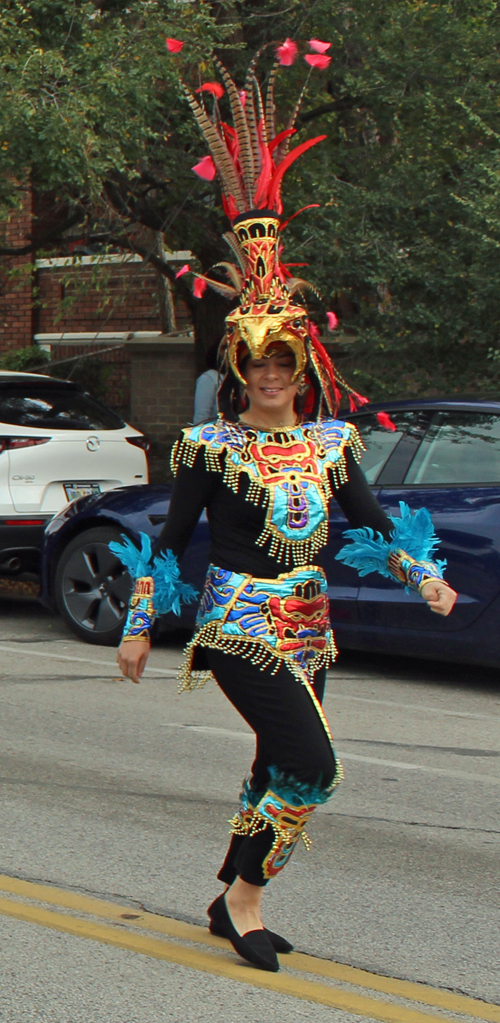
<point>266,470</point>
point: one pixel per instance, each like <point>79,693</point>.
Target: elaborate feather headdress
<point>251,158</point>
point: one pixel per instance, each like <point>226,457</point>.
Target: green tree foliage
<point>406,243</point>
<point>89,98</point>
<point>405,246</point>
<point>86,86</point>
<point>25,359</point>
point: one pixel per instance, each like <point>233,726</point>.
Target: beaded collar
<point>291,472</point>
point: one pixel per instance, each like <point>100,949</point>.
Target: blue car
<point>443,454</point>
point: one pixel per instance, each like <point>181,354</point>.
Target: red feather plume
<point>325,360</point>
<point>285,164</point>
<point>386,421</point>
<point>274,143</point>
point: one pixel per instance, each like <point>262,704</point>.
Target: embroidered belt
<point>268,621</point>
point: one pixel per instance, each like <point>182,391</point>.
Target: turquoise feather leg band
<point>158,585</point>
<point>407,556</point>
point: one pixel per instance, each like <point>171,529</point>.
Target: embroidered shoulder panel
<point>290,473</point>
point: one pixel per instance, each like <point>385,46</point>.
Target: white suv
<point>56,443</point>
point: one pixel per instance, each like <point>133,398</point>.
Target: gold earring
<point>303,385</point>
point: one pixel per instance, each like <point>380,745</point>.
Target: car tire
<point>92,588</point>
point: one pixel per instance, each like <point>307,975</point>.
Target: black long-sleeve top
<point>238,510</point>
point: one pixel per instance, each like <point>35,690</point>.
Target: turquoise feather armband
<point>158,586</point>
<point>407,556</point>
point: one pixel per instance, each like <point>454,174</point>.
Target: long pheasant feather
<point>259,108</point>
<point>223,289</point>
<point>233,273</point>
<point>284,146</point>
<point>219,151</point>
<point>253,64</point>
<point>298,284</point>
<point>236,248</point>
<point>246,154</point>
<point>267,168</point>
<point>251,116</point>
<point>270,105</point>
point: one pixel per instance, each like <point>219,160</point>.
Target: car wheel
<point>92,588</point>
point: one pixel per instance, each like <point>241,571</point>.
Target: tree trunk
<point>165,299</point>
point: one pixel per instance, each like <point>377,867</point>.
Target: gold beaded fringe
<point>258,652</point>
<point>258,823</point>
<point>291,551</point>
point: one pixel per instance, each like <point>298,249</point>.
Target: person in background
<point>205,395</point>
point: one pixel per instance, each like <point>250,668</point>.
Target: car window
<point>54,408</point>
<point>459,447</point>
<point>379,441</point>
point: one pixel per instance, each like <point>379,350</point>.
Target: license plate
<point>74,490</point>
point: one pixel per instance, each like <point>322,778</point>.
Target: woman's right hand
<point>132,657</point>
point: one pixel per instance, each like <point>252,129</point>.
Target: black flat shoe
<point>254,946</point>
<point>279,943</point>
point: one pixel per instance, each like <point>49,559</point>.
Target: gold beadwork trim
<point>258,823</point>
<point>291,551</point>
<point>257,651</point>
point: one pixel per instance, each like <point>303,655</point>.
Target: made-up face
<point>270,383</point>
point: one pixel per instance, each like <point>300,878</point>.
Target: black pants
<point>290,737</point>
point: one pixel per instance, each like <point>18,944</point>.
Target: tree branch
<point>45,239</point>
<point>123,242</point>
<point>346,103</point>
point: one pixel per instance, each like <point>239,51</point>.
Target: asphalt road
<point>120,793</point>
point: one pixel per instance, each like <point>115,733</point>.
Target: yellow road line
<point>111,911</point>
<point>132,917</point>
<point>206,962</point>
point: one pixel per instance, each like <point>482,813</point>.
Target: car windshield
<point>460,447</point>
<point>54,408</point>
<point>379,440</point>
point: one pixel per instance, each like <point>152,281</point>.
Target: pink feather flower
<point>213,87</point>
<point>317,60</point>
<point>183,270</point>
<point>332,321</point>
<point>199,287</point>
<point>174,45</point>
<point>287,52</point>
<point>205,168</point>
<point>318,47</point>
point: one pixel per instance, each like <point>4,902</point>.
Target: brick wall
<point>121,297</point>
<point>112,297</point>
<point>163,378</point>
<point>16,284</point>
<point>116,375</point>
<point>151,385</point>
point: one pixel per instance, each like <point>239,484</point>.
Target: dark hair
<point>211,356</point>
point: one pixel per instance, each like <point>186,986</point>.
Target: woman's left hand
<point>439,596</point>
